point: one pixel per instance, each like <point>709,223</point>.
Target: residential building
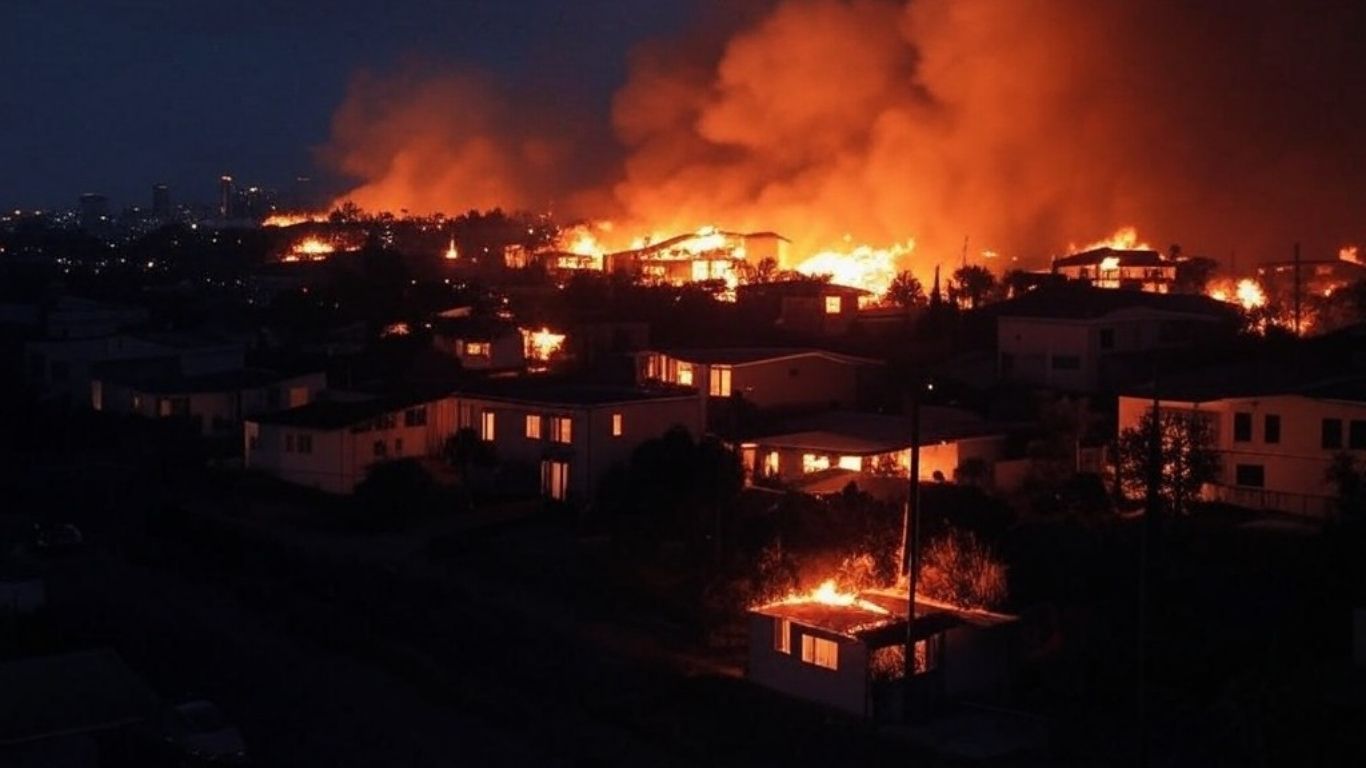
<point>1275,439</point>
<point>331,444</point>
<point>1316,277</point>
<point>809,307</point>
<point>1138,270</point>
<point>785,379</point>
<point>825,452</point>
<point>1080,339</point>
<point>570,435</point>
<point>66,367</point>
<point>850,655</point>
<point>216,403</point>
<point>481,344</point>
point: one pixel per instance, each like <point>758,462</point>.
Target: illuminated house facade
<point>331,445</point>
<point>1275,444</point>
<point>569,436</point>
<point>823,453</point>
<point>769,378</point>
<point>480,344</point>
<point>852,657</point>
<point>1115,268</point>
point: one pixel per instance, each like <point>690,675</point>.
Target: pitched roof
<point>339,414</point>
<point>551,391</point>
<point>1127,258</point>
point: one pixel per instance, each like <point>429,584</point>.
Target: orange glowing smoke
<point>1247,293</point>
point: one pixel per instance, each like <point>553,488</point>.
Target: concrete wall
<point>1294,467</point>
<point>844,688</point>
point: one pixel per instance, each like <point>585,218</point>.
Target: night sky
<point>114,96</point>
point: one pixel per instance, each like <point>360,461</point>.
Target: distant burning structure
<point>1120,262</point>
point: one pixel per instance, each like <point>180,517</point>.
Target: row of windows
<point>821,652</point>
<point>301,442</point>
<point>1330,434</point>
<point>381,448</point>
<point>561,428</point>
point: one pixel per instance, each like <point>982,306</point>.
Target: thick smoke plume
<point>1022,126</point>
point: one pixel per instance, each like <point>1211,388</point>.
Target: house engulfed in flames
<point>847,650</point>
<point>707,254</point>
<point>1108,267</point>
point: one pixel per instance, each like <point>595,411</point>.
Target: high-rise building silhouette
<point>93,211</point>
<point>225,200</point>
<point>161,201</point>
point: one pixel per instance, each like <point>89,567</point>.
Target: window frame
<point>1330,434</point>
<point>618,424</point>
<point>488,425</point>
<point>1271,435</point>
<point>1244,480</point>
<point>820,652</point>
<point>533,428</point>
<point>1242,426</point>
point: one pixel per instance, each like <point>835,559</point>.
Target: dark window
<point>1250,475</point>
<point>1332,433</point>
<point>1356,435</point>
<point>398,446</point>
<point>1066,363</point>
<point>289,442</point>
<point>1242,427</point>
<point>1107,338</point>
<point>1271,429</point>
<point>381,449</point>
<point>305,443</point>
<point>415,417</point>
<point>1007,363</point>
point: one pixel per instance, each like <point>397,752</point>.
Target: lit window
<point>851,462</point>
<point>813,463</point>
<point>782,636</point>
<point>771,464</point>
<point>555,479</point>
<point>616,425</point>
<point>821,652</point>
<point>685,374</point>
<point>533,426</point>
<point>720,382</point>
<point>486,425</point>
<point>832,305</point>
<point>477,348</point>
<point>561,429</point>
<point>927,654</point>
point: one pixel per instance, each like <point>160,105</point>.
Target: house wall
<point>944,457</point>
<point>592,449</point>
<point>340,458</point>
<point>977,661</point>
<point>844,688</point>
<point>797,381</point>
<point>1294,468</point>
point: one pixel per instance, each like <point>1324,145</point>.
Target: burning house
<point>1311,277</point>
<point>809,307</point>
<point>707,254</point>
<point>1108,267</point>
<point>848,650</point>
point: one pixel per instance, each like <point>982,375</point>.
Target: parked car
<point>200,732</point>
<point>56,538</point>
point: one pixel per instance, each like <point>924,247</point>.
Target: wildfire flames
<point>828,593</point>
<point>1123,239</point>
<point>1246,293</point>
<point>451,253</point>
<point>871,269</point>
<point>540,345</point>
<point>290,219</point>
<point>313,247</point>
<point>1349,253</point>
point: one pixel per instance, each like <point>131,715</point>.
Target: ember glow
<point>871,269</point>
<point>451,253</point>
<point>1349,253</point>
<point>313,247</point>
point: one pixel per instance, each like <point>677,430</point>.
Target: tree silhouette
<point>905,291</point>
<point>1187,455</point>
<point>972,284</point>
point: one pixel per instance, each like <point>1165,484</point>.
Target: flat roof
<point>1127,258</point>
<point>864,621</point>
<point>47,696</point>
<point>223,381</point>
<point>867,433</point>
<point>339,414</point>
<point>568,393</point>
<point>751,355</point>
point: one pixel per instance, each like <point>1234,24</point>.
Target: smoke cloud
<point>1023,126</point>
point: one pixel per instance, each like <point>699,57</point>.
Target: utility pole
<point>1297,289</point>
<point>1147,541</point>
<point>910,551</point>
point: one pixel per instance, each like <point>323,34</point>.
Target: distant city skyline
<point>120,96</point>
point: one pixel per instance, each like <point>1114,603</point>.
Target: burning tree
<point>1186,455</point>
<point>958,569</point>
<point>971,286</point>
